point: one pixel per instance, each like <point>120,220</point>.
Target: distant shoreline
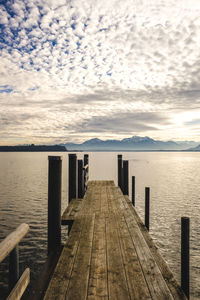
<point>33,148</point>
<point>62,150</point>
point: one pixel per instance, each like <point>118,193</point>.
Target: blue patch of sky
<point>78,45</point>
<point>73,26</point>
<point>31,62</point>
<point>8,7</point>
<point>7,90</point>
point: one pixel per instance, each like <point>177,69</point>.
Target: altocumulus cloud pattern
<point>83,68</point>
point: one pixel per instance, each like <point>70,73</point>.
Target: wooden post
<point>85,159</point>
<point>185,255</point>
<point>54,203</point>
<point>119,161</point>
<point>13,267</point>
<point>80,178</point>
<point>85,162</point>
<point>133,190</point>
<point>147,198</point>
<point>72,177</point>
<point>125,177</point>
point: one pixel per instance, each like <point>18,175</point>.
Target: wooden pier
<point>109,253</point>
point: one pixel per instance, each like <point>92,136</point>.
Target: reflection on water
<point>175,191</point>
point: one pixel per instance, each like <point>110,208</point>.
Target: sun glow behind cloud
<point>78,69</point>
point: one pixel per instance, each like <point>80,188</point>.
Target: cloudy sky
<point>74,70</point>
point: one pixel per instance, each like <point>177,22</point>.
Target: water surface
<point>173,177</point>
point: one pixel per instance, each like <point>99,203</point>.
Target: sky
<point>79,69</point>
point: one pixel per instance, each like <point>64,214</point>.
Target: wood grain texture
<point>71,211</point>
<point>78,284</point>
<point>155,281</point>
<point>174,287</point>
<point>110,254</point>
<point>98,285</point>
<point>134,273</point>
<point>117,283</point>
<point>60,280</point>
<point>20,286</point>
<point>12,240</point>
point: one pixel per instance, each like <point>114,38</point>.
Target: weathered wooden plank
<point>117,283</point>
<point>109,255</point>
<point>104,199</point>
<point>20,286</point>
<point>155,281</point>
<point>95,202</point>
<point>134,274</point>
<point>97,288</point>
<point>62,274</point>
<point>101,182</point>
<point>78,284</point>
<point>71,211</point>
<point>12,240</point>
<point>87,207</point>
<point>175,289</point>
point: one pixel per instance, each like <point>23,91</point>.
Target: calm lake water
<point>174,179</point>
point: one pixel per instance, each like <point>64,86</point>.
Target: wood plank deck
<point>109,253</point>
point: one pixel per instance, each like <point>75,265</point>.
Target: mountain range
<point>197,148</point>
<point>132,143</point>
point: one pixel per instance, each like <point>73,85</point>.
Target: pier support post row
<point>133,190</point>
<point>54,203</point>
<point>72,177</point>
<point>147,205</point>
<point>80,179</point>
<point>13,267</point>
<point>85,159</point>
<point>125,177</point>
<point>120,175</point>
<point>185,255</point>
<point>86,170</point>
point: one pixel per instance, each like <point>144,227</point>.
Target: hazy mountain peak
<point>131,143</point>
<point>197,148</point>
<point>137,139</point>
<point>92,141</point>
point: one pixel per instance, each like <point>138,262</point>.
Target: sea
<point>173,178</point>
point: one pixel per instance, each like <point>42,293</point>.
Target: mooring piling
<point>80,179</point>
<point>120,171</point>
<point>86,170</point>
<point>72,177</point>
<point>125,177</point>
<point>54,203</point>
<point>85,159</point>
<point>133,190</point>
<point>13,267</point>
<point>147,206</point>
<point>185,255</point>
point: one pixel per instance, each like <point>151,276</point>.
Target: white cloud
<point>147,51</point>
